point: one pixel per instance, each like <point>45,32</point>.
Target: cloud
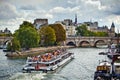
<point>11,24</point>
<point>13,12</point>
<point>57,10</point>
<point>8,11</point>
<point>112,6</point>
<point>49,15</point>
<point>28,7</point>
<point>64,10</point>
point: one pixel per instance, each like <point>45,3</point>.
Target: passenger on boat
<point>112,49</point>
<point>46,57</point>
<point>29,59</point>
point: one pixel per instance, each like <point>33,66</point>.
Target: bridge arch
<point>99,43</point>
<point>71,43</point>
<point>84,44</point>
<point>6,42</point>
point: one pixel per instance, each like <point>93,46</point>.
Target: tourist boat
<point>48,62</point>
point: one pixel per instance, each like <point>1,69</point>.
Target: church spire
<point>113,25</point>
<point>75,19</point>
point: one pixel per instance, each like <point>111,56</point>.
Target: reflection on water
<point>81,68</point>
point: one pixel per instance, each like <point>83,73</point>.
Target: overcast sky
<point>14,12</point>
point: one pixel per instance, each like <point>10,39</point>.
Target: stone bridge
<point>4,40</point>
<point>77,41</point>
<point>91,41</point>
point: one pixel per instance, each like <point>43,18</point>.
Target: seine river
<point>80,68</point>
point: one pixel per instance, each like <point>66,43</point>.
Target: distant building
<point>93,26</point>
<point>68,22</point>
<point>112,30</point>
<point>68,26</point>
<point>1,31</point>
<point>5,31</point>
<point>40,22</point>
<point>70,30</point>
<point>102,29</point>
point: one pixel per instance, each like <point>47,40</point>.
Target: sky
<point>14,12</point>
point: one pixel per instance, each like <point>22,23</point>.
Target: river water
<point>80,68</point>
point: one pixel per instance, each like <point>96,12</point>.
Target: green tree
<point>59,32</point>
<point>6,34</point>
<point>48,37</point>
<point>27,35</point>
<point>101,34</point>
<point>82,30</point>
<point>26,24</point>
<point>14,45</point>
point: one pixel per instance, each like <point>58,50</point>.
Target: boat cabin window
<point>33,64</point>
<point>101,68</point>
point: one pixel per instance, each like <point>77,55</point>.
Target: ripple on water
<point>27,76</point>
<point>55,77</point>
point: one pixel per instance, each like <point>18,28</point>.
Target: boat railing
<point>39,59</point>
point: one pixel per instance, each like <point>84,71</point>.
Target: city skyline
<point>14,12</point>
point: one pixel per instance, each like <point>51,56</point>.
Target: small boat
<point>112,50</point>
<point>103,71</point>
<point>48,62</point>
<point>107,71</point>
<point>102,53</point>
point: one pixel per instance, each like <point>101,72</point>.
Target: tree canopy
<point>48,37</point>
<point>6,34</point>
<point>27,35</point>
<point>83,31</point>
<point>13,45</point>
<point>59,32</point>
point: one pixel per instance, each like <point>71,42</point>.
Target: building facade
<point>40,22</point>
<point>68,26</point>
<point>93,26</point>
<point>5,31</point>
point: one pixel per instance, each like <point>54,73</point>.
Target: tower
<point>112,29</point>
<point>75,20</point>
